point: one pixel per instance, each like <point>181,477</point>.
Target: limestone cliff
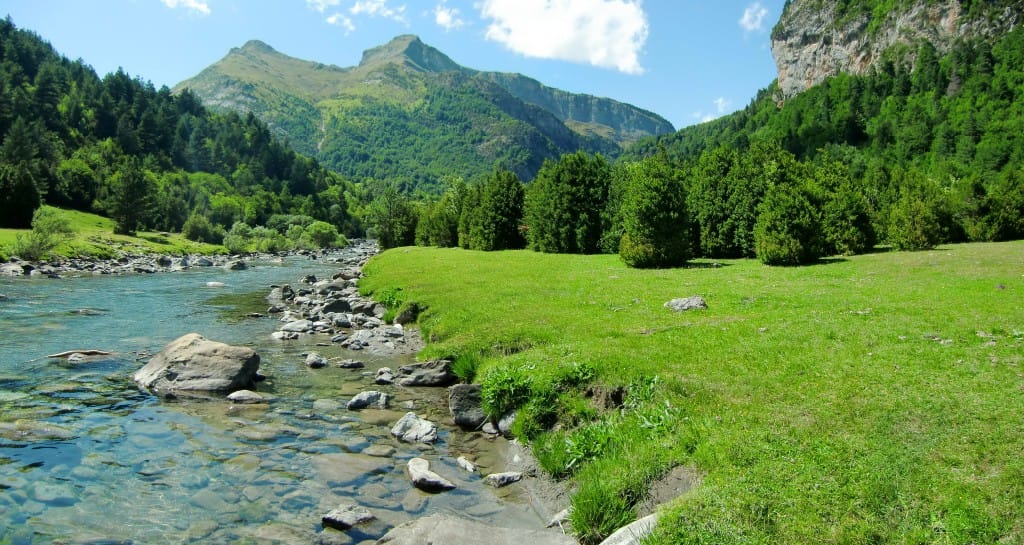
<point>815,39</point>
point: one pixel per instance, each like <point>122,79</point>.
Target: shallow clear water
<point>85,457</point>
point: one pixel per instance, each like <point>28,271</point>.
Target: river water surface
<point>85,457</point>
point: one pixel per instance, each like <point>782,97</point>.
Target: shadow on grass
<point>155,239</point>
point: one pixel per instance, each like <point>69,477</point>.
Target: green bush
<point>198,228</point>
<point>324,235</point>
<point>653,216</point>
<point>788,230</point>
<point>914,224</point>
<point>49,230</point>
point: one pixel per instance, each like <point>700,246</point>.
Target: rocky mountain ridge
<point>406,99</point>
<point>816,39</point>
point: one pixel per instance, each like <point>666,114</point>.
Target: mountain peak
<point>409,51</point>
<point>256,46</point>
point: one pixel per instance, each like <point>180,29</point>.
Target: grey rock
<point>413,429</point>
<point>465,464</point>
<point>430,373</point>
<point>426,480</point>
<point>633,533</point>
<point>505,423</point>
<point>315,361</point>
<point>193,363</point>
<point>246,396</point>
<point>336,305</point>
<point>451,530</point>
<point>298,326</point>
<point>346,516</point>
<point>203,262</point>
<point>384,375</point>
<point>351,364</point>
<point>370,398</point>
<point>695,302</point>
<point>235,265</point>
<point>339,338</point>
<point>505,478</point>
<point>465,406</point>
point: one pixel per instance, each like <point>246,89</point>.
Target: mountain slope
<point>409,113</point>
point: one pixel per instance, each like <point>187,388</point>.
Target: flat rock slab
<point>194,363</point>
<point>348,468</point>
<point>450,530</point>
<point>428,373</point>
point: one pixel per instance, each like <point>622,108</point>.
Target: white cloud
<point>322,5</point>
<point>198,6</point>
<point>448,18</point>
<point>722,105</point>
<point>342,21</point>
<point>753,17</point>
<point>604,33</point>
<point>379,8</point>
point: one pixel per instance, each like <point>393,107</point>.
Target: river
<point>86,457</point>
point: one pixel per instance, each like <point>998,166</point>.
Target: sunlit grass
<point>94,237</point>
<point>872,399</point>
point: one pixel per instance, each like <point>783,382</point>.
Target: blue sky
<point>685,60</point>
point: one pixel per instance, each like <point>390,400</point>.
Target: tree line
<point>143,156</point>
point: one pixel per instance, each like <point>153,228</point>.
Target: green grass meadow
<point>93,237</point>
<point>871,399</point>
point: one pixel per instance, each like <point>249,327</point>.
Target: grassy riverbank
<point>93,237</point>
<point>874,399</point>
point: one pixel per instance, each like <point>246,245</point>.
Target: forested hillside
<point>144,156</point>
<point>945,131</point>
<point>410,115</point>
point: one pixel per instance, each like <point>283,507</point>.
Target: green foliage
<point>504,389</point>
<point>653,215</point>
<point>788,230</point>
<point>956,118</point>
<point>146,156</point>
<point>324,235</point>
<point>393,218</point>
<point>49,229</point>
<point>565,205</point>
<point>198,228</point>
<point>913,224</point>
<point>493,220</point>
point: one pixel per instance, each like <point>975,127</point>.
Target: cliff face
<point>816,39</point>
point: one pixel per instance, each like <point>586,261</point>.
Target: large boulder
<point>429,373</point>
<point>456,531</point>
<point>192,363</point>
<point>465,406</point>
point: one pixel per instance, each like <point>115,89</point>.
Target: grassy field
<point>93,236</point>
<point>873,399</point>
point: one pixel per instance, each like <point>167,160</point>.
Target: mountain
<point>816,39</point>
<point>409,113</point>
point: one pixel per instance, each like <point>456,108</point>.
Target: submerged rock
<point>346,516</point>
<point>194,363</point>
<point>456,531</point>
